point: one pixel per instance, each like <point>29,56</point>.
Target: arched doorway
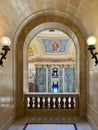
<point>52,63</point>
<point>36,25</point>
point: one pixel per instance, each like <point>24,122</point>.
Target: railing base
<point>51,113</point>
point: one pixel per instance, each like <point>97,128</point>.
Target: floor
<point>50,127</point>
<point>20,124</point>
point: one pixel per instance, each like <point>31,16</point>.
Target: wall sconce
<point>91,41</point>
<point>5,41</point>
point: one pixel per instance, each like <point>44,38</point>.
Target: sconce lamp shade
<point>5,41</point>
<point>91,40</point>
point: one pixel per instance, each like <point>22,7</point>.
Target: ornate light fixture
<point>91,41</point>
<point>5,41</point>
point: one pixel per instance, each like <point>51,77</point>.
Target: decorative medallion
<point>55,46</point>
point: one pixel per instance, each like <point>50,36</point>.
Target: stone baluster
<point>56,102</point>
<point>72,102</point>
<point>62,103</point>
<point>67,103</point>
<point>46,102</point>
<point>27,99</point>
<point>41,102</point>
<point>36,102</point>
<point>51,102</point>
<point>64,99</point>
<point>30,102</point>
<point>59,105</point>
<point>33,100</point>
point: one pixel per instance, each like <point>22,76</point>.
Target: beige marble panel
<point>7,117</point>
<point>93,93</point>
<point>93,117</point>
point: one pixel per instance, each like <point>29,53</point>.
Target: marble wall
<point>7,91</point>
<point>93,95</point>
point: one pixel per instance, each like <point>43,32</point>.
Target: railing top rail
<point>52,94</point>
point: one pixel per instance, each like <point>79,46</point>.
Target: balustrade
<point>51,101</point>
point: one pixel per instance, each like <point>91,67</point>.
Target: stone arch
<point>34,24</point>
<point>35,31</point>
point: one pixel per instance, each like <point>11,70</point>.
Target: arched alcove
<point>26,34</point>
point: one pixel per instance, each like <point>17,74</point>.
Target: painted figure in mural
<point>55,46</point>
